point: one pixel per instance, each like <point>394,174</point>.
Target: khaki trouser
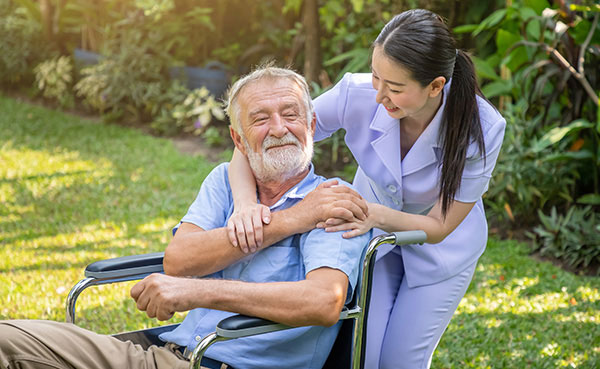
<point>26,344</point>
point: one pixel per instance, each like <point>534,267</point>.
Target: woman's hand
<point>355,228</point>
<point>245,227</point>
<point>333,201</point>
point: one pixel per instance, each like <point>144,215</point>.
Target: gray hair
<point>268,71</point>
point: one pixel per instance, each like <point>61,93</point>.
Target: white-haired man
<point>303,280</point>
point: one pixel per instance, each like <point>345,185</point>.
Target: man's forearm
<point>195,252</point>
<point>301,303</point>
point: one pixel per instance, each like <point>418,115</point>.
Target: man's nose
<point>277,126</point>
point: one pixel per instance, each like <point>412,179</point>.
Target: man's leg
<point>28,344</point>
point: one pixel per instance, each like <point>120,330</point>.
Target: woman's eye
<point>395,91</point>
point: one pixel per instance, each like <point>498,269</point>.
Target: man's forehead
<point>269,89</point>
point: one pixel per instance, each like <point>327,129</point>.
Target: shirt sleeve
<point>329,108</point>
<point>478,170</point>
<point>322,249</point>
<point>213,204</point>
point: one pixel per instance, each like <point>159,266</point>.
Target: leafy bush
<point>54,78</point>
<point>190,111</point>
<point>21,46</point>
<point>528,176</point>
<point>129,78</point>
<point>573,237</point>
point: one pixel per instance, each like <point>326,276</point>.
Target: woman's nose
<point>380,96</point>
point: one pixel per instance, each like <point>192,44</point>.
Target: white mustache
<point>288,139</point>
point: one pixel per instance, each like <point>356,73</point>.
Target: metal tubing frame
<point>89,282</point>
<point>198,353</point>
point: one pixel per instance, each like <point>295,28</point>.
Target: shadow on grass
<point>135,180</point>
<point>530,340</point>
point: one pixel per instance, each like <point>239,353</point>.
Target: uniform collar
<point>423,151</point>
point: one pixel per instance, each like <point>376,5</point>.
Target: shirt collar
<point>300,190</point>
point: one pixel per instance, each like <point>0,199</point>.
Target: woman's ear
<point>436,86</point>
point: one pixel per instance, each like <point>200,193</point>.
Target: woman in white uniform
<point>426,142</point>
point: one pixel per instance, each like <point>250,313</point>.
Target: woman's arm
<point>390,220</point>
<point>245,227</point>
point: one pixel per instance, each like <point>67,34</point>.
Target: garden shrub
<point>573,237</point>
<point>21,45</point>
<point>54,78</point>
<point>180,109</point>
<point>527,179</point>
<point>131,75</point>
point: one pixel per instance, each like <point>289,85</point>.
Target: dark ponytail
<point>461,127</point>
<point>420,41</point>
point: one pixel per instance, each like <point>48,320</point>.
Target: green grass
<point>73,191</point>
<point>521,313</point>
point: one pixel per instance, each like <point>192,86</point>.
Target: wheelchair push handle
<point>409,237</point>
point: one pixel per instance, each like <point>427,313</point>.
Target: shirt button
<point>392,188</point>
<point>198,338</point>
<point>396,202</point>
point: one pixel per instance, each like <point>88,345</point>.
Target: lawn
<point>73,191</point>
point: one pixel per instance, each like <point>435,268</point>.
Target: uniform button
<point>198,338</point>
<point>396,202</point>
<point>392,188</point>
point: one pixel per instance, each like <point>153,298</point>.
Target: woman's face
<point>398,92</point>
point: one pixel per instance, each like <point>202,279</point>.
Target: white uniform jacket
<point>412,184</point>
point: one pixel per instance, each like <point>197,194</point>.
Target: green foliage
<point>129,78</point>
<point>21,45</point>
<point>545,61</point>
<point>529,174</point>
<point>191,113</point>
<point>54,78</point>
<point>573,237</point>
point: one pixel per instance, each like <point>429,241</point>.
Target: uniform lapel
<point>387,146</point>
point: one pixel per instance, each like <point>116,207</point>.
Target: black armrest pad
<point>126,265</point>
<point>242,326</point>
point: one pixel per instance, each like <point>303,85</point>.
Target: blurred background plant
<point>537,60</point>
<point>54,78</point>
<point>21,45</point>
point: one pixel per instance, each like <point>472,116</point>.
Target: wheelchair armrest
<point>126,266</point>
<point>122,269</point>
<point>237,326</point>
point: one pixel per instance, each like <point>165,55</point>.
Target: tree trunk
<point>312,44</point>
<point>46,11</point>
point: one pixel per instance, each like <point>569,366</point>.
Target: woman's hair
<point>420,42</point>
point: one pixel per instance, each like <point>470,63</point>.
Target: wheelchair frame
<point>128,268</point>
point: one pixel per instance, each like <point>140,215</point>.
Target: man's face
<point>278,141</point>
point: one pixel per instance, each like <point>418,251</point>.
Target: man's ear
<point>237,140</point>
<point>436,86</point>
<point>313,124</point>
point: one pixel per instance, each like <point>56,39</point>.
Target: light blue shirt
<point>288,260</point>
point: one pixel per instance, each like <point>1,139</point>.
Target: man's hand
<point>160,295</point>
<point>331,201</point>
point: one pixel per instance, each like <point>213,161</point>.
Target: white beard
<point>282,163</point>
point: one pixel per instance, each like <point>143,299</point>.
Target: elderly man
<point>301,280</point>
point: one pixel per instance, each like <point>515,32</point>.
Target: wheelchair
<point>348,350</point>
